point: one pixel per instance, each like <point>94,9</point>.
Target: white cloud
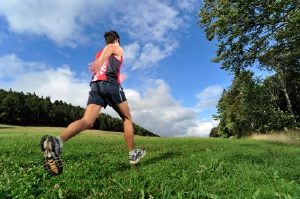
<point>157,110</point>
<point>201,128</point>
<point>58,83</point>
<point>188,5</point>
<point>147,55</point>
<point>153,25</point>
<point>61,21</point>
<point>131,51</point>
<point>152,54</point>
<point>209,97</point>
<point>149,20</point>
<point>11,65</point>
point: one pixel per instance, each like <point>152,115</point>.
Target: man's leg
<point>124,112</point>
<point>52,146</point>
<point>91,114</point>
<point>134,154</point>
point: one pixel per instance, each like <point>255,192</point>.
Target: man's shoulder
<point>116,46</point>
<point>117,49</point>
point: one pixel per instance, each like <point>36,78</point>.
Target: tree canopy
<point>249,31</point>
<point>262,34</point>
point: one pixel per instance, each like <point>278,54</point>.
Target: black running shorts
<point>105,93</point>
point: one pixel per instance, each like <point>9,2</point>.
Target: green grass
<point>96,166</point>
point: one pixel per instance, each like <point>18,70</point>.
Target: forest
<point>17,108</point>
<point>255,36</point>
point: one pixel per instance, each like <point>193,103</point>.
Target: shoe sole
<point>52,161</point>
<point>137,160</point>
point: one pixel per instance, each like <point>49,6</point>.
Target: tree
<point>255,32</point>
<point>214,132</point>
<point>238,106</point>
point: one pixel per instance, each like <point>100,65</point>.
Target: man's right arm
<point>106,53</point>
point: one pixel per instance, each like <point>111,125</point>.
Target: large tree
<point>255,32</point>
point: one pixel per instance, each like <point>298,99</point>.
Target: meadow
<point>96,166</point>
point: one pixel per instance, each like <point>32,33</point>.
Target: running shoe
<point>51,150</point>
<point>136,156</point>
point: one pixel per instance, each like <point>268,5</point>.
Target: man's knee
<point>87,123</point>
<point>126,117</point>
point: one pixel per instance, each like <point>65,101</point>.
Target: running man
<point>105,90</point>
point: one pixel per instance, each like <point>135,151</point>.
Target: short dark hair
<point>111,36</point>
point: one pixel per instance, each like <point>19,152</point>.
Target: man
<point>105,90</point>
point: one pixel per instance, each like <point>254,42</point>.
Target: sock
<point>132,152</point>
<point>61,142</point>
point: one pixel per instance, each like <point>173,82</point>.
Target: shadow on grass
<point>121,165</point>
<point>239,157</point>
<point>168,155</point>
<point>161,157</point>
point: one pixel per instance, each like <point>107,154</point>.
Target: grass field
<point>96,166</point>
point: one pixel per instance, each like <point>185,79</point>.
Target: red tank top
<point>110,71</point>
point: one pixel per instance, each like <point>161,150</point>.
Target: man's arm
<point>106,53</point>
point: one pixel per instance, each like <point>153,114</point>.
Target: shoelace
<point>133,156</point>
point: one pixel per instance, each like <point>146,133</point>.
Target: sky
<point>171,84</point>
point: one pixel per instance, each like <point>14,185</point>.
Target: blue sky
<point>171,84</point>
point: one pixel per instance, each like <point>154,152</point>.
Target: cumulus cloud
<point>148,20</point>
<point>58,83</point>
<point>61,21</point>
<point>209,97</point>
<point>201,128</point>
<point>157,110</point>
<point>187,5</point>
<point>10,65</point>
<point>153,25</point>
<point>131,51</point>
<point>141,56</point>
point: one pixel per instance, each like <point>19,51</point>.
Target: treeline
<point>17,108</point>
<point>261,34</point>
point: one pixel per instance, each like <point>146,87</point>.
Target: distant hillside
<point>18,108</point>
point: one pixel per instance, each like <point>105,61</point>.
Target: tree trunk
<point>284,89</point>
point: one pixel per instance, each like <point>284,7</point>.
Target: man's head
<point>111,37</point>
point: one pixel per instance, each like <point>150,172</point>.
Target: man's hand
<point>94,67</point>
